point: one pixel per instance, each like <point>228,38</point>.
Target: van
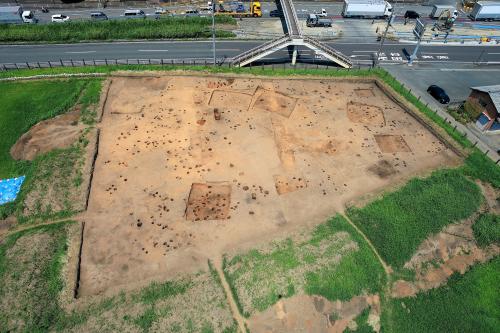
<point>134,13</point>
<point>191,12</point>
<point>98,16</point>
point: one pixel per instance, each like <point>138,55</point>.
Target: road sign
<point>419,29</point>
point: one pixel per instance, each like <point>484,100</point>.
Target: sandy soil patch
<point>162,135</point>
<point>304,313</point>
<point>59,132</point>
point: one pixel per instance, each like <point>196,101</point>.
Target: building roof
<point>493,91</point>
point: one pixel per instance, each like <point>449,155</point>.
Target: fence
<point>323,64</point>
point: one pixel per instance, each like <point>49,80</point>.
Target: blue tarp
<point>9,188</point>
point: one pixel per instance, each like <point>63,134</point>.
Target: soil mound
<point>58,132</point>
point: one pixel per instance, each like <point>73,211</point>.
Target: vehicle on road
<point>439,94</point>
<point>275,13</point>
<point>366,9</point>
<point>238,9</point>
<point>411,14</point>
<point>323,13</point>
<point>191,13</point>
<point>485,11</point>
<point>134,13</point>
<point>98,16</point>
<point>314,20</point>
<point>16,15</point>
<point>437,10</point>
<point>59,18</point>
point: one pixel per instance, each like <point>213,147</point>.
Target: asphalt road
<point>392,52</point>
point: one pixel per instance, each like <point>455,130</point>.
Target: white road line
<point>78,52</point>
<point>365,51</point>
<point>493,53</point>
<point>152,50</point>
<point>434,52</point>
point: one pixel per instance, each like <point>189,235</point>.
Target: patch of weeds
<point>30,281</point>
<point>161,290</point>
<point>479,166</point>
<point>146,319</point>
<point>467,303</point>
<point>487,230</point>
<point>89,101</point>
<point>398,222</point>
<point>334,262</point>
<point>362,323</point>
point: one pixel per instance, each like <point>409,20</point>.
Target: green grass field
<point>168,27</point>
<point>399,221</point>
<point>487,230</point>
<point>24,104</point>
<point>333,261</point>
<point>468,303</point>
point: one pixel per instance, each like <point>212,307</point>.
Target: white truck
<point>485,11</point>
<point>437,10</point>
<point>366,8</point>
<point>16,15</point>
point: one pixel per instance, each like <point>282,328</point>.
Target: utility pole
<point>213,29</point>
<point>389,22</point>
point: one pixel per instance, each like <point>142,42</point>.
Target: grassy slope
<point>468,303</point>
<point>399,221</point>
<point>169,27</point>
<point>258,278</point>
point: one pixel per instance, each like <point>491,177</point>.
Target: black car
<point>439,94</point>
<point>275,13</point>
<point>411,14</point>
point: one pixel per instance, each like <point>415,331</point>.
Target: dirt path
<point>387,269</point>
<point>230,297</point>
<point>23,227</point>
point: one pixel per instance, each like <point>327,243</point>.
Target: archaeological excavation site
<point>195,202</point>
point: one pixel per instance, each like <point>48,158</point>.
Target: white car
<point>60,18</point>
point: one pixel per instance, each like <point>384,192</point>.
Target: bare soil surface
<point>287,149</point>
<point>59,132</point>
<point>304,313</point>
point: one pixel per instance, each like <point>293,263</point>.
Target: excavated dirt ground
<point>263,157</point>
<point>59,132</point>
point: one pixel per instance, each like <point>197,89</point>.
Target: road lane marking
<point>365,51</point>
<point>78,52</point>
<point>152,50</point>
<point>435,52</point>
<point>493,53</point>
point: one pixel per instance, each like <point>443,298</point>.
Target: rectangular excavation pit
<point>392,143</point>
<point>208,201</point>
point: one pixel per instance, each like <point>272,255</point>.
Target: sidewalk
<point>437,108</point>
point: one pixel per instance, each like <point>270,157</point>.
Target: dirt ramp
<point>58,132</point>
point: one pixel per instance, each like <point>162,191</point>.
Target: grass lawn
<point>468,303</point>
<point>399,221</point>
<point>168,27</point>
<point>487,230</point>
<point>24,105</point>
<point>333,261</point>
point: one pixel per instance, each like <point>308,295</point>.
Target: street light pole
<point>389,21</point>
<point>213,29</point>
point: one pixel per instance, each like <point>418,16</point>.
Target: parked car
<point>192,13</point>
<point>59,18</point>
<point>134,13</point>
<point>439,94</point>
<point>98,16</point>
<point>411,14</point>
<point>275,13</point>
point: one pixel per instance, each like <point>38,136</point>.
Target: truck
<point>437,10</point>
<point>313,20</point>
<point>237,9</point>
<point>16,15</point>
<point>485,11</point>
<point>366,8</point>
